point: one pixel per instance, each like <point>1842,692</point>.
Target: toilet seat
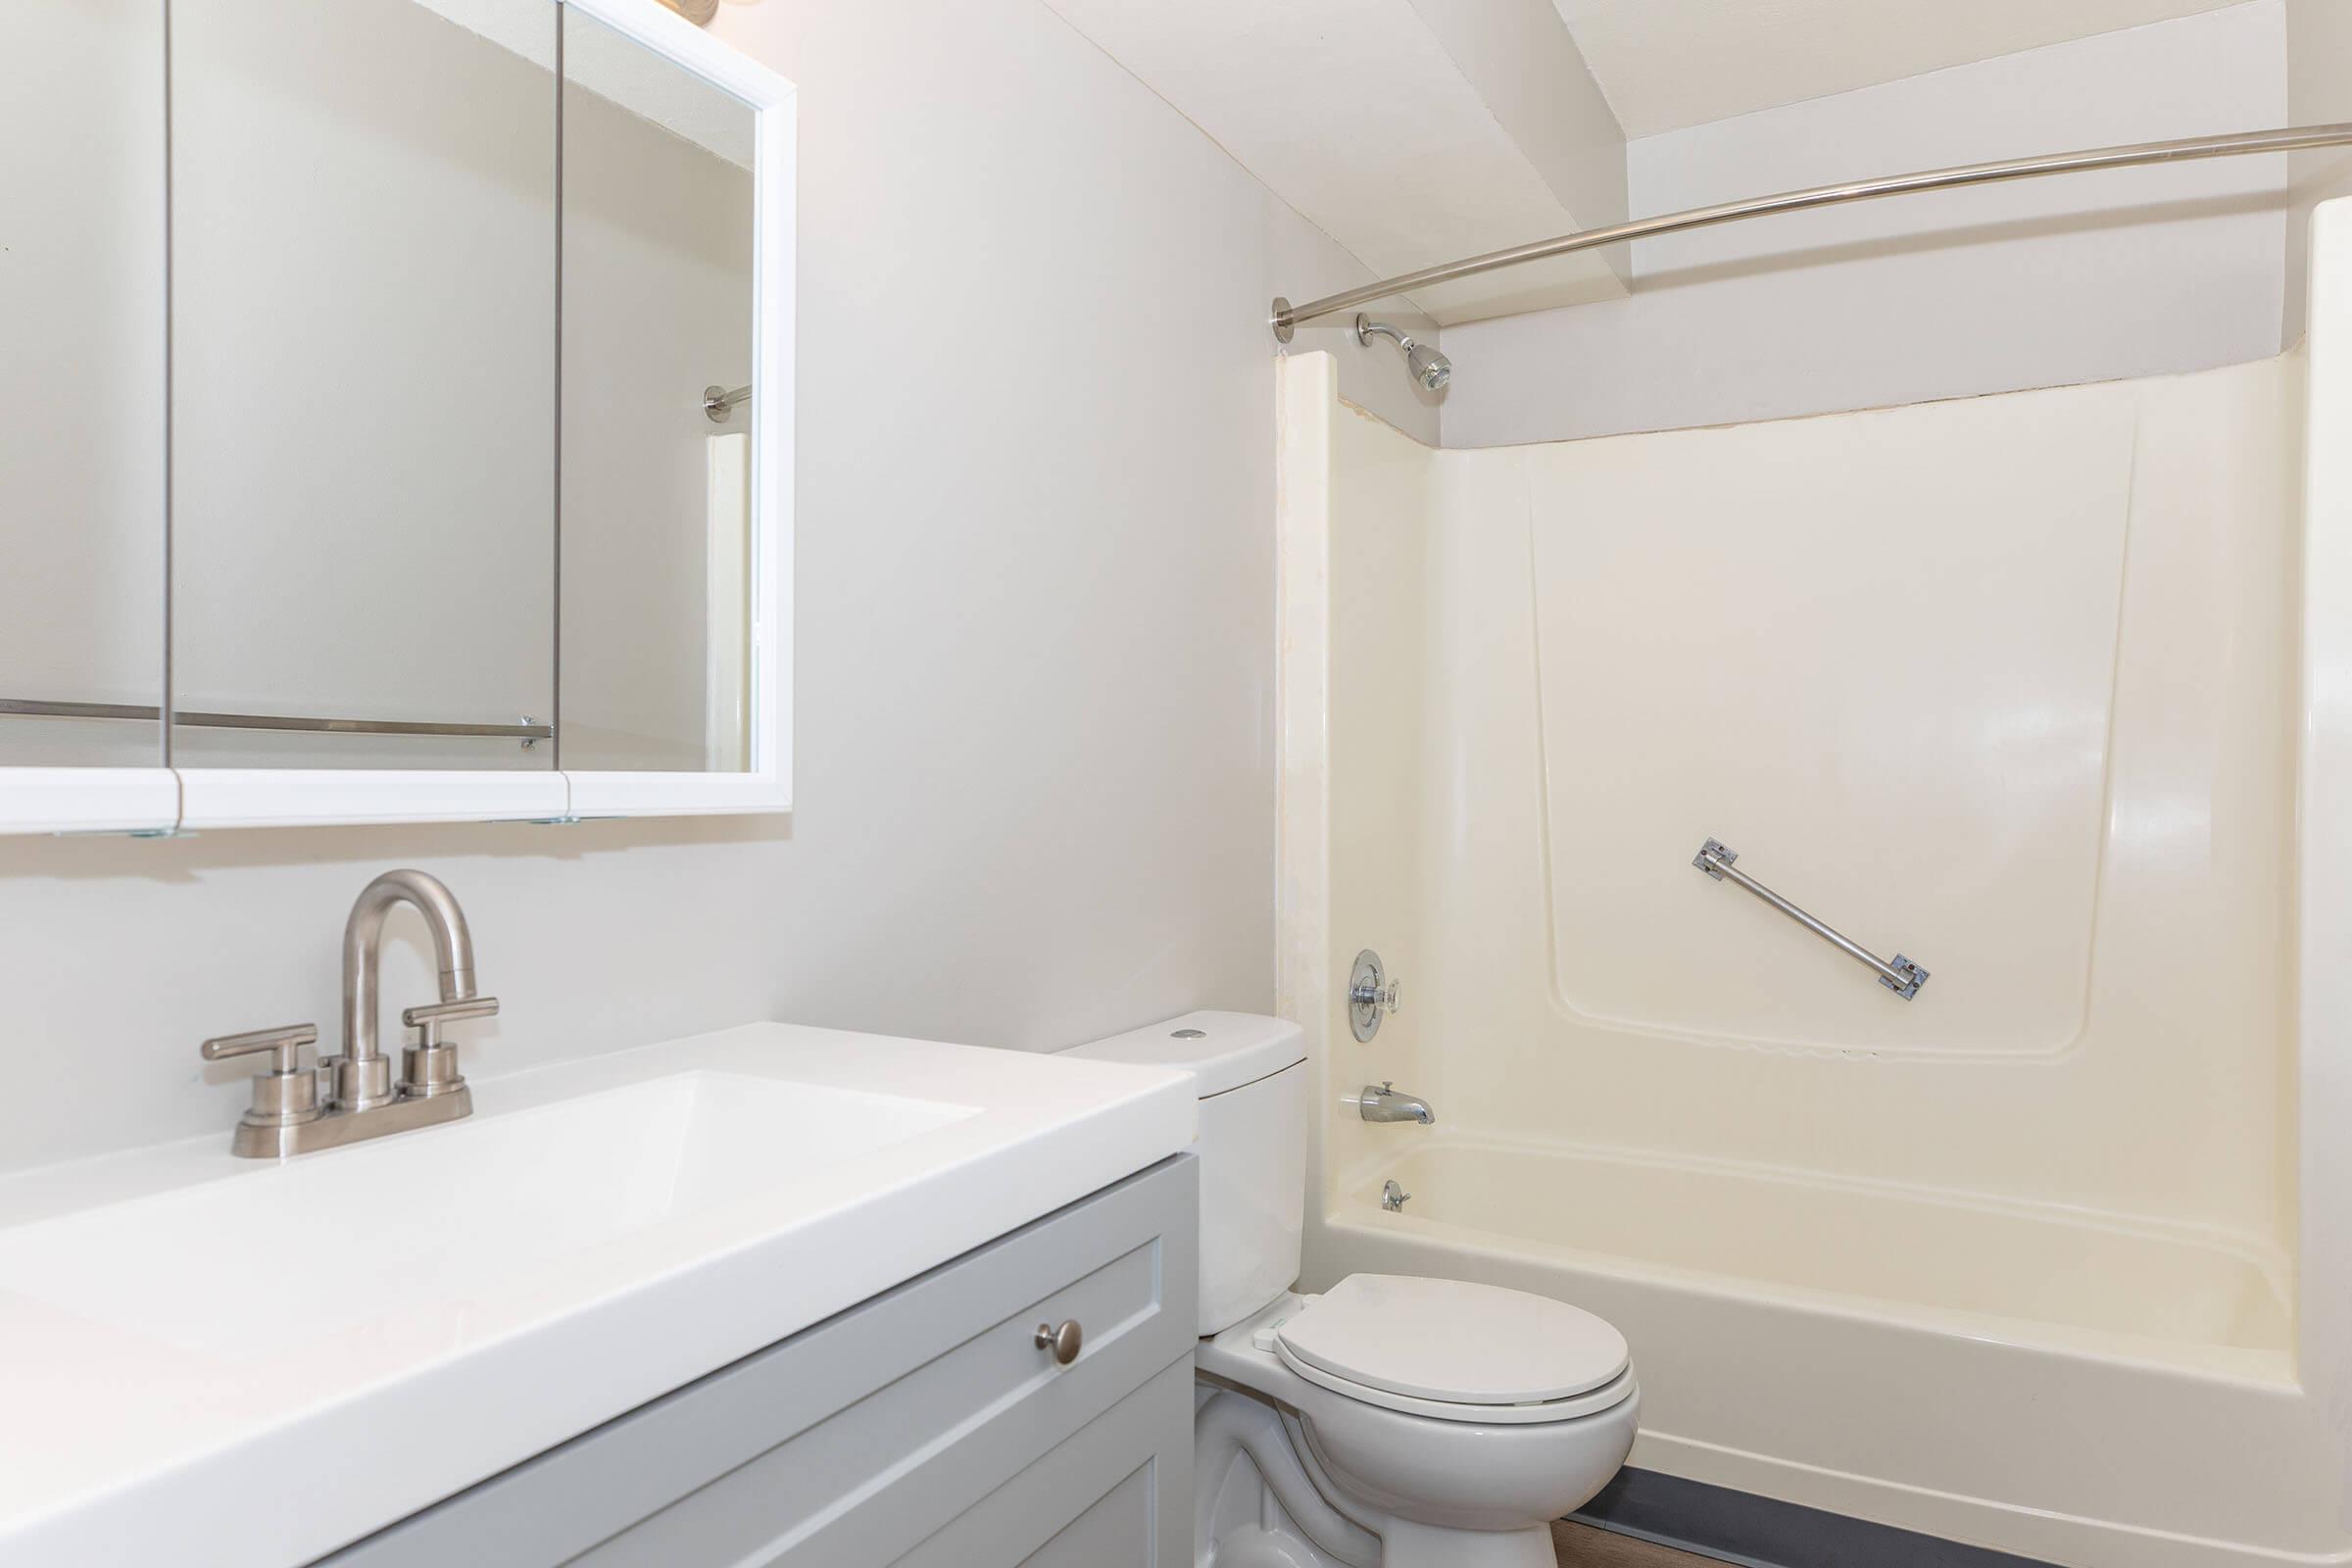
<point>1608,1396</point>
<point>1455,1351</point>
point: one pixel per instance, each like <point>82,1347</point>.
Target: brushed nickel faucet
<point>1382,1102</point>
<point>351,1096</point>
<point>362,1075</point>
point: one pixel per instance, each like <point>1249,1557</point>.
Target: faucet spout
<point>364,1077</point>
<point>1382,1102</point>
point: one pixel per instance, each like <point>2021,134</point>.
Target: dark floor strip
<point>1753,1532</point>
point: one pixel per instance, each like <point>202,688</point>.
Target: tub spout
<point>1385,1103</point>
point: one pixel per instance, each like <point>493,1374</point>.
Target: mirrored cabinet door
<point>363,321</point>
<point>82,383</point>
<point>658,247</point>
<point>395,414</point>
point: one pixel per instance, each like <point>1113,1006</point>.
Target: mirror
<point>387,403</point>
<point>658,255</point>
<point>364,311</point>
<point>82,383</point>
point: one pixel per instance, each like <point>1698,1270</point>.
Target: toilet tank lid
<point>1222,1051</point>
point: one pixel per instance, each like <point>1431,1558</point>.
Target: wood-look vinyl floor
<point>1582,1547</point>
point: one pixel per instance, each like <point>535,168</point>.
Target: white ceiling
<point>1668,64</point>
<point>1411,131</point>
<point>1418,132</point>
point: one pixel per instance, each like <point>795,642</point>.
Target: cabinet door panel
<point>1118,1495</point>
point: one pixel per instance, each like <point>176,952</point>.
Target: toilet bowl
<point>1391,1421</point>
<point>1436,1481</point>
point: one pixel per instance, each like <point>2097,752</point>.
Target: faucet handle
<point>287,1041</point>
<point>287,1095</point>
<point>429,1066</point>
<point>433,1014</point>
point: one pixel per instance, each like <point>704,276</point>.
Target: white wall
<point>1034,781</point>
<point>2045,282</point>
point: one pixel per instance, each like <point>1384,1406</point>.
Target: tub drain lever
<point>1902,976</point>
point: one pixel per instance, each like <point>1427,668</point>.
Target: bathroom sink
<point>361,1331</point>
<point>468,1213</point>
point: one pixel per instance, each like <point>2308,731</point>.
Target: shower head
<point>1429,368</point>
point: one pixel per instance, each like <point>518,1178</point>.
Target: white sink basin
<point>361,1331</point>
<point>446,1216</point>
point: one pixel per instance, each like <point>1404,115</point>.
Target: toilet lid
<point>1454,1342</point>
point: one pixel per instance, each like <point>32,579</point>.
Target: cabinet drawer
<point>851,1442</point>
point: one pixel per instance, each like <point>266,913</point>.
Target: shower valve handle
<point>1371,995</point>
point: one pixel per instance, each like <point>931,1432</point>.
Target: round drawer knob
<point>1063,1341</point>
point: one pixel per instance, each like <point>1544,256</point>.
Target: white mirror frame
<point>163,799</point>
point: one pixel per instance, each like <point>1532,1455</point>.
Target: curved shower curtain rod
<point>1288,317</point>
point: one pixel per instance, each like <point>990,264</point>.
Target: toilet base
<point>1407,1544</point>
<point>1265,1546</point>
<point>1257,1504</point>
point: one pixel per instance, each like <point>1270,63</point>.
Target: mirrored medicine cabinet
<point>396,418</point>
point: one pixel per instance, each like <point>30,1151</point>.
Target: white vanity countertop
<point>213,1362</point>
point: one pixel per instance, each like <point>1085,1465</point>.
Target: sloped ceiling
<point>1419,131</point>
<point>1411,131</point>
<point>1668,64</point>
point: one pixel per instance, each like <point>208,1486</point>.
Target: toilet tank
<point>1250,1073</point>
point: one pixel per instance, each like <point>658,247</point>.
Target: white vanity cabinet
<point>927,1426</point>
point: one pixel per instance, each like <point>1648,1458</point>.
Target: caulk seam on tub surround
<point>2099,885</point>
<point>1305,388</point>
<point>1531,606</point>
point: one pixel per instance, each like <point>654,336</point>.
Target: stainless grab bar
<point>1902,977</point>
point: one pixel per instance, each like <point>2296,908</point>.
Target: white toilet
<point>1390,1422</point>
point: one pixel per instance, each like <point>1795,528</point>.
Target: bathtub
<point>2062,1386</point>
<point>2054,1258</point>
<point>1975,1269</point>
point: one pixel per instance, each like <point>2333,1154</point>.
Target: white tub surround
<point>226,1364</point>
<point>2049,1257</point>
